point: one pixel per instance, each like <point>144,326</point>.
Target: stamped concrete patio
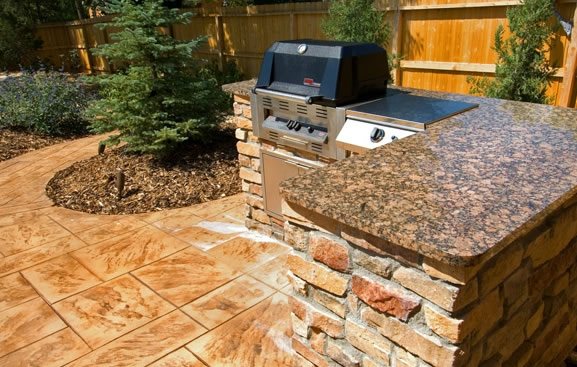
<point>184,287</point>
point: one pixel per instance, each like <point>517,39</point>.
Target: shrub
<point>159,95</point>
<point>356,21</point>
<point>45,102</point>
<point>522,70</point>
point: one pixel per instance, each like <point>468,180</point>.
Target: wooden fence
<point>441,42</point>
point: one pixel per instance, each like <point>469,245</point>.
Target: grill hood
<point>324,72</point>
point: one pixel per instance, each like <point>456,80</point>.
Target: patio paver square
<point>14,290</point>
<point>186,275</point>
<point>119,255</point>
<point>214,208</point>
<point>60,277</point>
<point>206,235</point>
<point>236,215</point>
<point>36,255</point>
<point>27,323</point>
<point>146,344</point>
<point>266,326</point>
<point>247,251</point>
<point>53,351</point>
<point>227,301</point>
<point>177,222</point>
<point>110,230</point>
<point>180,358</point>
<point>26,235</point>
<point>273,273</point>
<point>111,309</point>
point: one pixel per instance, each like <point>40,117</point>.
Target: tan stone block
<point>379,265</point>
<point>307,218</point>
<point>353,303</point>
<point>248,149</point>
<point>255,164</point>
<point>452,274</point>
<point>245,186</point>
<point>318,275</point>
<point>299,326</point>
<point>241,134</point>
<point>563,344</point>
<point>309,354</point>
<point>427,347</point>
<point>521,357</point>
<point>335,304</point>
<point>318,341</point>
<point>330,250</point>
<point>255,201</point>
<point>505,263</point>
<point>253,138</point>
<point>444,325</point>
<point>260,215</point>
<point>534,321</point>
<point>343,354</point>
<point>483,316</point>
<point>542,277</point>
<point>446,296</point>
<point>559,285</point>
<point>300,361</point>
<point>250,175</point>
<point>315,317</point>
<point>244,160</point>
<point>385,297</point>
<point>242,99</point>
<point>367,362</point>
<point>237,107</point>
<point>242,123</point>
<point>296,236</point>
<point>509,337</point>
<point>369,342</point>
<point>402,358</point>
<point>255,189</point>
<point>298,285</point>
<point>380,246</point>
<point>247,112</point>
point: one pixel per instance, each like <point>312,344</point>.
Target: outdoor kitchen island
<point>455,246</point>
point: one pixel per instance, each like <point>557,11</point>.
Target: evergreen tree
<point>159,96</point>
<point>522,70</point>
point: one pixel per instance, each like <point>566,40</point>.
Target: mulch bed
<point>14,142</point>
<point>196,173</point>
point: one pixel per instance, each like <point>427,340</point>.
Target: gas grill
<point>330,100</point>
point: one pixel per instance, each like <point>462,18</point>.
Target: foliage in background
<point>358,21</point>
<point>45,102</point>
<point>159,95</point>
<point>522,70</point>
<point>17,21</point>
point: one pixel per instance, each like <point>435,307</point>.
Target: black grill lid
<point>329,72</point>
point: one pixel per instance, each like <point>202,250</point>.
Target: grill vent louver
<point>282,105</point>
<point>321,112</point>
<point>302,109</point>
<point>273,135</point>
<point>317,148</point>
<point>267,102</point>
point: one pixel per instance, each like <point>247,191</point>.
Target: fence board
<point>441,42</point>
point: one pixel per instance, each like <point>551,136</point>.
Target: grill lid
<point>324,72</point>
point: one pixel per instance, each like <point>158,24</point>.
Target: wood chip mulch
<point>14,142</point>
<point>196,173</point>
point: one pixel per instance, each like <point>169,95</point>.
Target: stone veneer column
<point>361,301</point>
<point>248,147</point>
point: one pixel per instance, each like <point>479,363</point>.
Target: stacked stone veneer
<point>249,147</point>
<point>360,301</point>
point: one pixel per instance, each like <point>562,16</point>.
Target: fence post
<point>568,85</point>
<point>87,47</point>
<point>219,41</point>
<point>397,45</point>
<point>293,26</point>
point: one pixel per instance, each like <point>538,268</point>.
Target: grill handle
<point>288,96</point>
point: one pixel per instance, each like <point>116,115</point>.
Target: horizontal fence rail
<point>440,42</point>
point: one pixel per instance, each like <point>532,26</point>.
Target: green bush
<point>522,70</point>
<point>45,102</point>
<point>159,96</point>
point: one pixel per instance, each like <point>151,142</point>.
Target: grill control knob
<point>393,138</point>
<point>311,129</point>
<point>377,135</point>
<point>297,126</point>
<point>291,124</point>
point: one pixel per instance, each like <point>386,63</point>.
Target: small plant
<point>159,96</point>
<point>522,70</point>
<point>358,21</point>
<point>45,102</point>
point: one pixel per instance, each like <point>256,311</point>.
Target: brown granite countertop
<point>462,190</point>
<point>243,88</point>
